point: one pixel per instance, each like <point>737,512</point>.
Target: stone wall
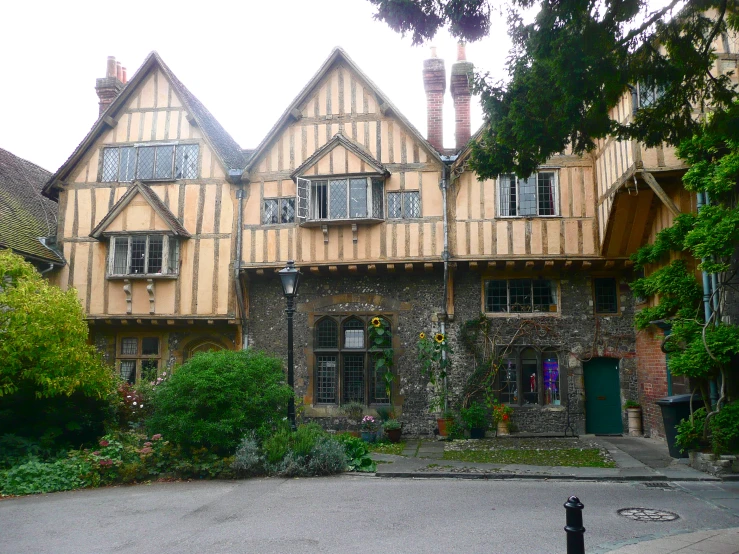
<point>414,300</point>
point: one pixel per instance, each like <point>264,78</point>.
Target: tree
<point>53,384</point>
<point>573,63</point>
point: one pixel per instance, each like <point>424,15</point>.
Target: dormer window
<point>143,256</point>
<point>159,162</point>
<point>340,199</point>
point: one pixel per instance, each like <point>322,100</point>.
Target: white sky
<point>246,60</point>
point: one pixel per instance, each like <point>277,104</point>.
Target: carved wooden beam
<point>428,266</point>
<point>352,268</point>
<point>391,268</point>
<point>372,268</point>
<point>660,192</point>
<point>474,266</point>
<point>315,269</point>
<point>333,269</point>
<point>408,267</point>
<point>610,264</point>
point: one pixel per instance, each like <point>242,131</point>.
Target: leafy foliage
<point>357,453</point>
<point>572,64</point>
<point>43,337</point>
<point>475,416</point>
<point>216,397</point>
<point>690,431</point>
<point>381,346</point>
<point>434,357</point>
<point>725,429</point>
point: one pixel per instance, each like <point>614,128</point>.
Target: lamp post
<point>290,278</point>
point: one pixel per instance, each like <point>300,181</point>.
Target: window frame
<point>139,358</point>
<point>138,148</point>
<point>309,205</point>
<point>555,189</point>
<point>340,351</point>
<point>617,299</point>
<point>280,200</point>
<point>553,290</point>
<point>170,256</point>
<point>402,194</point>
<point>516,354</point>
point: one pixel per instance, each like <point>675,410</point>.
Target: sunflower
<point>439,337</point>
<point>376,322</point>
<point>422,336</point>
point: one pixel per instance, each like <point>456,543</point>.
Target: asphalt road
<point>339,515</point>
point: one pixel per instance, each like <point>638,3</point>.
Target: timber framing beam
<point>660,192</point>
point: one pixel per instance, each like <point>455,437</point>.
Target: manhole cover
<point>647,514</point>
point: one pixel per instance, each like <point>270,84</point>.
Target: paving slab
<point>716,541</point>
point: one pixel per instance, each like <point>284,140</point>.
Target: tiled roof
<point>24,214</point>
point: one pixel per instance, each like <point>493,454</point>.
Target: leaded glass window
<point>529,376</point>
<point>144,255</point>
<point>139,358</point>
<point>404,205</point>
<point>278,210</point>
<point>520,296</point>
<point>340,199</point>
<point>152,162</point>
<point>605,290</point>
<point>533,196</point>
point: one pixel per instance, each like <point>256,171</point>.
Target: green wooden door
<point>602,397</point>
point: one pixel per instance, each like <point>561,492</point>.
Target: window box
<point>535,196</point>
<point>143,256</point>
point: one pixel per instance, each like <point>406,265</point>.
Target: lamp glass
<point>290,278</point>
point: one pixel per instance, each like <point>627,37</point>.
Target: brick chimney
<point>109,86</point>
<point>434,83</point>
<point>460,88</point>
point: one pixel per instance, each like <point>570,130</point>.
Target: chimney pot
<point>433,52</point>
<point>125,77</point>
<point>109,86</point>
<point>118,71</point>
<point>461,54</point>
<point>110,72</point>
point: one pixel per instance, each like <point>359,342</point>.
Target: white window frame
<point>504,210</point>
<point>170,255</point>
<point>307,207</point>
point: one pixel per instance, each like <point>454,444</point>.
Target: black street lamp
<point>290,278</point>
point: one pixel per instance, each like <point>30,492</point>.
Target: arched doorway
<point>602,397</point>
<point>203,345</point>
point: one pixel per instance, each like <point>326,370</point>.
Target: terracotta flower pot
<point>503,428</point>
<point>393,435</point>
<point>445,425</point>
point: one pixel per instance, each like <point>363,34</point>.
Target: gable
<point>340,156</point>
<point>340,99</point>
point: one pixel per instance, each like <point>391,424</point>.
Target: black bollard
<point>574,529</point>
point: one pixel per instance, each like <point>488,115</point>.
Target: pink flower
<point>156,437</point>
<point>147,444</point>
<point>146,450</point>
<point>104,443</point>
<point>96,453</point>
<point>106,463</point>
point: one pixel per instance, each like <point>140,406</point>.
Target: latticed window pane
<point>174,256</point>
<point>186,162</point>
<point>128,163</point>
<point>164,162</point>
<point>130,346</point>
<point>110,164</point>
<point>606,295</point>
<point>411,204</point>
<point>545,184</point>
<point>146,163</point>
<point>394,209</point>
<point>150,346</point>
<point>337,199</point>
<point>358,197</point>
<point>527,196</point>
<point>353,381</point>
<point>520,295</point>
<point>507,380</point>
<point>128,371</point>
<point>377,198</point>
<point>507,195</point>
<point>496,296</point>
<point>287,210</point>
<point>325,379</point>
<point>269,213</point>
<point>156,250</point>
<point>327,334</point>
<point>149,370</point>
<point>120,256</point>
<point>138,255</point>
<point>545,295</point>
<point>649,93</point>
<point>353,334</point>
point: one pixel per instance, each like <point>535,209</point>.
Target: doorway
<point>602,397</point>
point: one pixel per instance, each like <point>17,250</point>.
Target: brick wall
<point>652,377</point>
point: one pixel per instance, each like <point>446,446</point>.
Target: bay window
<point>340,199</point>
<point>143,255</point>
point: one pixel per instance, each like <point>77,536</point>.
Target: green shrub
<point>216,397</point>
<point>305,438</point>
<point>725,429</point>
<point>357,454</point>
<point>475,416</point>
<point>248,460</point>
<point>276,447</point>
<point>292,465</point>
<point>690,432</point>
<point>38,477</point>
<point>327,457</point>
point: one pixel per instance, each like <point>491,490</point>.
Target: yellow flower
<point>439,337</point>
<point>376,322</point>
<point>422,336</point>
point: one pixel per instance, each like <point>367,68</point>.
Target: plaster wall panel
<point>205,278</point>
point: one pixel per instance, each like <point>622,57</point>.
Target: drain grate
<point>658,485</point>
<point>648,514</point>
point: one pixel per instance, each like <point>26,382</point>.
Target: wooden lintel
<point>372,268</point>
<point>474,266</point>
<point>408,267</point>
<point>660,192</point>
<point>170,322</point>
<point>352,268</point>
<point>428,266</point>
<point>391,268</point>
<point>610,264</point>
<point>333,268</point>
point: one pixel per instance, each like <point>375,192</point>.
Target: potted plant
<point>502,417</point>
<point>633,410</point>
<point>369,428</point>
<point>475,419</point>
<point>433,354</point>
<point>353,412</point>
<point>393,429</point>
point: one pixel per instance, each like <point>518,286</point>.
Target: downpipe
<point>237,270</point>
<point>445,258</point>
<point>710,284</point>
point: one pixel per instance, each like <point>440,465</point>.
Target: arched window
<point>528,376</point>
<point>344,362</point>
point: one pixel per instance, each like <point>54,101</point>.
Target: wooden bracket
<point>660,192</point>
<point>296,114</point>
<point>324,228</point>
<point>355,228</point>
<point>109,121</point>
<point>150,290</point>
<point>129,298</point>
